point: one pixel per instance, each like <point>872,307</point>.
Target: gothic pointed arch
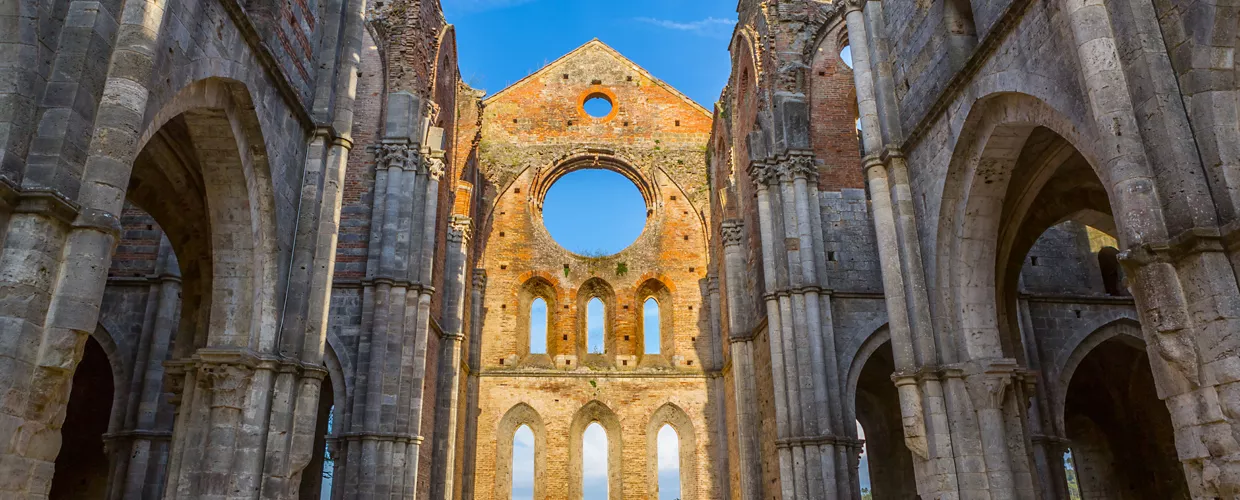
<point>672,415</point>
<point>590,413</point>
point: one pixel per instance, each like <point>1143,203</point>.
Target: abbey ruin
<point>244,237</point>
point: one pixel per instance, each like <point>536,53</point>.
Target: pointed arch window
<point>594,471</point>
<point>596,313</point>
<point>538,326</point>
<point>523,464</point>
<point>669,463</point>
<point>650,326</point>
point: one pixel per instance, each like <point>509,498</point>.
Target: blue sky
<point>594,212</point>
<point>682,42</point>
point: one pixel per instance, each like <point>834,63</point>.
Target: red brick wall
<point>833,128</point>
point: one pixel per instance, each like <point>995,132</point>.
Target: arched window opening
<point>594,463</point>
<point>538,326</point>
<point>1112,274</point>
<point>650,326</point>
<point>523,464</point>
<point>669,463</point>
<point>846,56</point>
<point>1069,467</point>
<point>863,467</point>
<point>82,465</point>
<point>318,476</point>
<point>595,326</point>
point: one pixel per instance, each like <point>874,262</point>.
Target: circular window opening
<point>594,212</point>
<point>598,106</point>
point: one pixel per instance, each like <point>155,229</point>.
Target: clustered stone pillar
<point>385,432</point>
<point>717,386</point>
<point>749,462</point>
<point>957,413</point>
<point>138,449</point>
<point>473,365</point>
<point>813,451</point>
<point>453,325</point>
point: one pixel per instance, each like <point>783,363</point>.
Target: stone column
<point>1185,286</point>
<point>749,462</point>
<point>57,246</point>
<point>385,426</point>
<point>141,445</point>
<point>923,402</point>
<point>718,388</point>
<point>472,366</point>
<point>444,473</point>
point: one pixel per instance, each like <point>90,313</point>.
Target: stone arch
<point>654,288</point>
<point>601,289</point>
<point>834,123</point>
<point>538,287</point>
<point>976,200</point>
<point>872,402</point>
<point>593,412</point>
<point>83,468</point>
<point>520,415</point>
<point>875,340</point>
<point>203,174</point>
<point>673,415</point>
<point>118,361</point>
<point>1120,433</point>
<point>1127,331</point>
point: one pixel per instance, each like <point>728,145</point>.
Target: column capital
<point>847,6</point>
<point>763,173</point>
<point>396,155</point>
<point>435,167</point>
<point>731,231</point>
<point>460,228</point>
<point>798,165</point>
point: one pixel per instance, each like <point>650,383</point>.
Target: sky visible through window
<point>650,322</point>
<point>594,212</point>
<point>538,327</point>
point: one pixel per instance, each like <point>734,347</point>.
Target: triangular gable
<point>598,44</point>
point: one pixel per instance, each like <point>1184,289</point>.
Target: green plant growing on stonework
<point>621,268</point>
<point>866,494</point>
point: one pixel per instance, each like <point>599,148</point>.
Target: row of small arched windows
<point>594,464</point>
<point>596,318</point>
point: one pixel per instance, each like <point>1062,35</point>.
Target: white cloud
<point>669,448</point>
<point>711,26</point>
<point>594,452</point>
<point>523,464</point>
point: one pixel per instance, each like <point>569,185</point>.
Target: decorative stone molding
<point>228,383</point>
<point>912,416</point>
<point>763,174</point>
<point>731,231</point>
<point>435,168</point>
<point>460,228</point>
<point>480,279</point>
<point>396,156</point>
<point>798,166</point>
<point>846,6</point>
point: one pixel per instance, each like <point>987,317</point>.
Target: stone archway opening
<point>1120,435</point>
<point>82,466</point>
<point>887,459</point>
<point>318,478</point>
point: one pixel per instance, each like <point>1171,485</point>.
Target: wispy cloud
<point>711,27</point>
<point>480,5</point>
